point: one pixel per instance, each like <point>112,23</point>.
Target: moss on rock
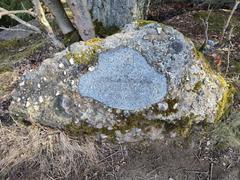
<point>89,55</point>
<point>141,23</point>
<point>226,101</point>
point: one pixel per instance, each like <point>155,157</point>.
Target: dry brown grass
<point>35,152</point>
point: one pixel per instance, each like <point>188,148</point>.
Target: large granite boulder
<point>136,84</point>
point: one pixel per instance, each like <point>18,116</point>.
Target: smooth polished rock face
<point>124,80</point>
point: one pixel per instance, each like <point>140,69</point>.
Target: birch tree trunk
<point>82,18</point>
<point>44,22</point>
<point>60,15</point>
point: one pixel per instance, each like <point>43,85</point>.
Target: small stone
<point>57,93</point>
<point>159,30</point>
<point>99,126</point>
<point>36,107</point>
<point>118,111</point>
<point>77,121</point>
<point>22,83</point>
<point>175,106</point>
<point>103,136</point>
<point>163,106</point>
<point>18,99</point>
<point>40,99</point>
<point>65,73</point>
<point>91,68</point>
<point>28,104</point>
<point>110,128</point>
<point>61,65</point>
<point>39,86</point>
<point>173,134</point>
<point>71,60</point>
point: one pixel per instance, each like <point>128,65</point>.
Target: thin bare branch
<point>206,27</point>
<point>21,21</point>
<point>229,49</point>
<point>17,29</point>
<point>4,13</point>
<point>237,2</point>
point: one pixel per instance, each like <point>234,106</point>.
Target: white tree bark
<point>82,18</point>
<point>60,15</point>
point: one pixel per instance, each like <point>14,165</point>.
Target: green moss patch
<point>88,56</point>
<point>104,31</point>
<point>141,23</point>
<point>225,102</point>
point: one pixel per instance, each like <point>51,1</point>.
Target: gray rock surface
<point>117,12</point>
<point>129,86</point>
<point>124,80</point>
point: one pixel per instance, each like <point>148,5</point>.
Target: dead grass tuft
<point>36,152</point>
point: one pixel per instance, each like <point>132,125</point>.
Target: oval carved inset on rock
<point>123,79</point>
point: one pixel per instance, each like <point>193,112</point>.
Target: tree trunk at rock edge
<point>82,18</point>
<point>60,15</point>
<point>45,24</point>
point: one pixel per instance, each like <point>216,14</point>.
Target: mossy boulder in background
<point>140,83</point>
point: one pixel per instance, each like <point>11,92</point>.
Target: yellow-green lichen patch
<point>89,55</point>
<point>141,23</point>
<point>206,64</point>
<point>105,31</point>
<point>226,101</point>
<point>229,90</point>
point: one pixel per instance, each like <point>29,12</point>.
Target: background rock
<point>123,11</point>
<point>193,92</point>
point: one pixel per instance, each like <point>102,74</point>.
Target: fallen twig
<point>210,171</point>
<point>17,29</point>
